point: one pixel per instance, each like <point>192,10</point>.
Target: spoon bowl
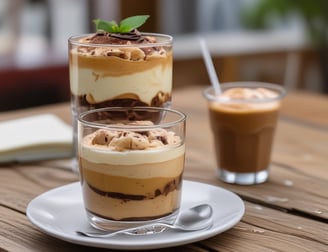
<point>195,218</point>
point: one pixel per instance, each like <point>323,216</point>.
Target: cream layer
<point>118,209</point>
<point>136,164</point>
<point>245,100</point>
<point>145,84</point>
<point>101,154</point>
<point>244,107</point>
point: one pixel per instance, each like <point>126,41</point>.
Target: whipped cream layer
<point>120,152</point>
<point>124,163</point>
<point>99,87</point>
<point>248,94</point>
<point>132,157</point>
<point>241,100</point>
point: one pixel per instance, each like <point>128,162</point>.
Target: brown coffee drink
<point>243,122</point>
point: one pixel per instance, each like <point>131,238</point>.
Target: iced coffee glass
<point>243,120</point>
<point>131,162</point>
<point>119,71</point>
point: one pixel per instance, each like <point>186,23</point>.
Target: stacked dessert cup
<point>119,70</point>
<point>121,88</point>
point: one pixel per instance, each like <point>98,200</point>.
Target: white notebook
<point>34,138</point>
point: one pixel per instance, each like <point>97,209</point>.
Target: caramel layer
<point>115,66</point>
<point>148,187</point>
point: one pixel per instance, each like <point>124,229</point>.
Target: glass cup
<point>119,75</point>
<point>243,121</point>
<point>131,162</point>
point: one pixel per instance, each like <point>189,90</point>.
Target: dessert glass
<point>243,120</point>
<point>131,162</point>
<point>120,74</point>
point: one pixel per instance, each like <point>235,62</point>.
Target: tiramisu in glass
<point>131,170</point>
<point>128,69</point>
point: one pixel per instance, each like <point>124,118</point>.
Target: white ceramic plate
<point>59,212</point>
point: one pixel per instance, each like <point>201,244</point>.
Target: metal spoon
<point>196,218</point>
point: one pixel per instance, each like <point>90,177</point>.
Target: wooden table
<point>288,213</point>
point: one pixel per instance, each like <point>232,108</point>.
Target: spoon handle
<point>152,228</point>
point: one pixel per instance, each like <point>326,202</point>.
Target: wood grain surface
<point>287,213</point>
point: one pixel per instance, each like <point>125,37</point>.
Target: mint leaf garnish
<point>130,23</point>
<point>125,26</point>
<point>110,26</point>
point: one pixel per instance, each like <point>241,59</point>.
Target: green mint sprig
<point>125,26</point>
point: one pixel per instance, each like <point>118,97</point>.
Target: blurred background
<point>279,41</point>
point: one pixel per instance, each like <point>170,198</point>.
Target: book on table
<point>35,138</point>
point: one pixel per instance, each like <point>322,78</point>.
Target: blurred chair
<point>21,88</point>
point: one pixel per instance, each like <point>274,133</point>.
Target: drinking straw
<point>210,67</point>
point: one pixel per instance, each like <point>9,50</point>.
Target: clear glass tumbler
<point>243,120</point>
<point>131,162</point>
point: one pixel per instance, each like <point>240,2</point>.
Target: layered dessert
<point>130,175</point>
<point>243,122</point>
<point>131,69</point>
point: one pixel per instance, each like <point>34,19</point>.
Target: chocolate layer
<point>132,38</point>
<point>128,100</point>
<point>174,184</point>
<point>160,100</point>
